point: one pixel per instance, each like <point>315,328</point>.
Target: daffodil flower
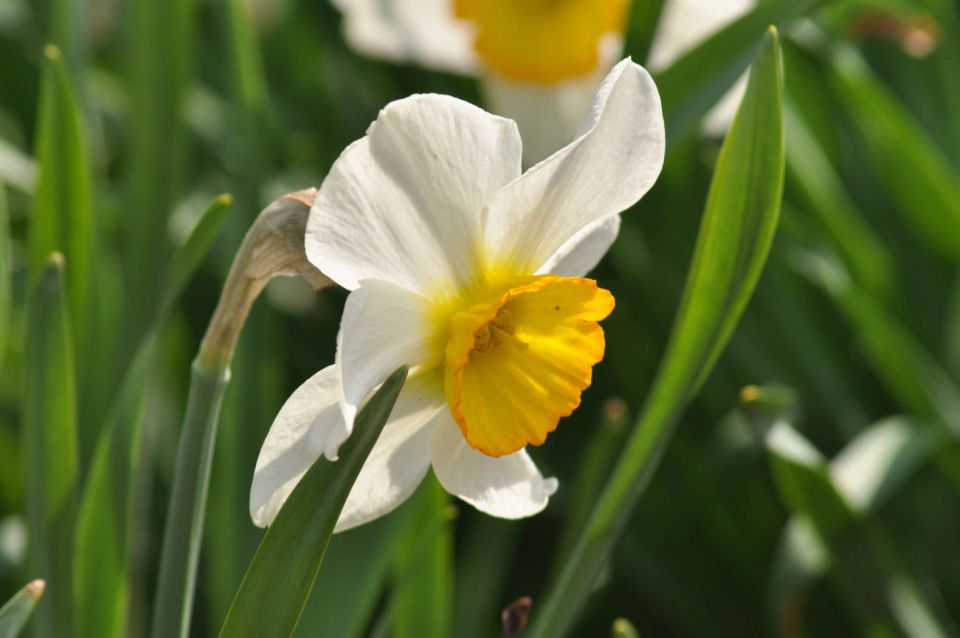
<point>683,25</point>
<point>541,60</point>
<point>473,275</point>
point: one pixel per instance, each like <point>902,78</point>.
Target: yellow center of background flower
<point>542,41</point>
<point>519,357</point>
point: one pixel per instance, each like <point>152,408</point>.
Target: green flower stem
<point>188,501</point>
<point>273,246</point>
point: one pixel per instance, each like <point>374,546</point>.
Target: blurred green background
<point>154,108</point>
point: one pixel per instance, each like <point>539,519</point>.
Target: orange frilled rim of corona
<point>518,359</point>
<point>542,41</point>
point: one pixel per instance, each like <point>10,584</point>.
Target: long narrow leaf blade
<point>62,217</point>
<point>281,575</point>
<point>17,611</point>
<point>101,541</point>
<point>912,169</point>
<point>735,237</point>
<point>695,83</point>
<point>50,445</point>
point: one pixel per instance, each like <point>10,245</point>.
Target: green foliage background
<point>151,109</point>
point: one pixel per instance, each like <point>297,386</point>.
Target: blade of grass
<point>911,168</point>
<point>101,577</point>
<point>824,195</point>
<point>870,575</point>
<point>62,218</point>
<point>910,372</point>
<point>281,575</point>
<point>691,86</point>
<point>50,445</point>
<point>735,237</point>
<point>17,611</point>
<point>423,606</point>
<point>341,606</point>
<point>481,571</point>
<point>160,52</point>
<point>5,274</point>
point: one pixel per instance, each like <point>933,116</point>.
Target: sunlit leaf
<point>17,611</point>
<point>735,237</point>
<point>50,446</point>
<point>281,575</point>
<point>910,167</point>
<point>101,576</point>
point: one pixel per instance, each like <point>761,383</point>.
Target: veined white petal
<point>549,116</point>
<point>582,252</point>
<point>508,486</point>
<point>383,327</point>
<point>310,424</point>
<point>611,165</point>
<point>404,203</point>
<point>425,32</point>
<point>400,457</point>
<point>683,25</point>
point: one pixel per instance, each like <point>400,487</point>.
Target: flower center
<point>518,359</point>
<point>542,41</point>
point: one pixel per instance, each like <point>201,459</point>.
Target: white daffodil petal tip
<point>614,161</point>
<point>308,425</point>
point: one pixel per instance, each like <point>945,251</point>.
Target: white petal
<point>583,251</point>
<point>549,116</point>
<point>404,203</point>
<point>506,487</point>
<point>399,459</point>
<point>425,32</point>
<point>611,165</point>
<point>309,424</point>
<point>383,327</point>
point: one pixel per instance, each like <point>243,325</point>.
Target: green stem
<point>188,501</point>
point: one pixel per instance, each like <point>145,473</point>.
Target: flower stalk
<point>272,247</point>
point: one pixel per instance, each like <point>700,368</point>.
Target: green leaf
<point>911,168</point>
<point>62,218</point>
<point>482,570</point>
<point>343,606</point>
<point>188,501</point>
<point>50,445</point>
<point>828,202</point>
<point>17,611</point>
<point>5,274</point>
<point>423,602</point>
<point>735,237</point>
<point>833,525</point>
<point>281,575</point>
<point>101,578</point>
<point>161,43</point>
<point>692,85</point>
<point>910,372</point>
